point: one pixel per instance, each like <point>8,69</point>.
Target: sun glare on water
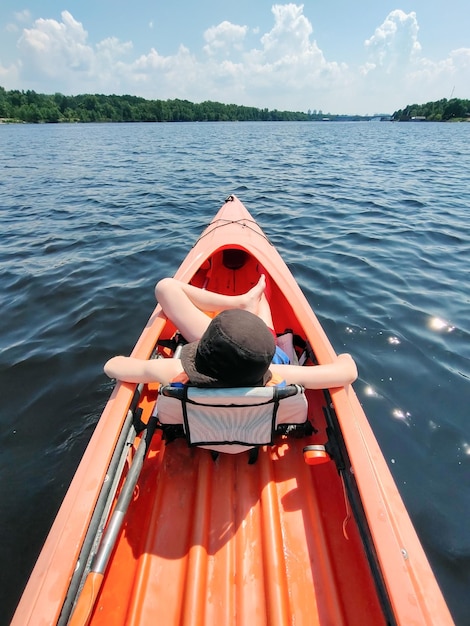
<point>436,323</point>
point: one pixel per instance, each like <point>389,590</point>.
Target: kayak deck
<point>222,541</point>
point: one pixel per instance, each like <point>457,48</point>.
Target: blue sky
<point>369,56</point>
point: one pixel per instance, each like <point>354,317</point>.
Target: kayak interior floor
<point>224,542</point>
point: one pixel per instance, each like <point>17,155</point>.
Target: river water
<point>373,220</point>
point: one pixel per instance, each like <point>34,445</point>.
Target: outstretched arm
<point>341,372</point>
<point>131,370</point>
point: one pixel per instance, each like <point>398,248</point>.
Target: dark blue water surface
<point>373,220</point>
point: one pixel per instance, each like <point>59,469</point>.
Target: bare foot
<point>250,300</point>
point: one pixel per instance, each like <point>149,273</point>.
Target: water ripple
<point>371,218</point>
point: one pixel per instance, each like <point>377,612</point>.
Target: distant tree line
<point>29,106</point>
<point>32,107</point>
<point>439,111</point>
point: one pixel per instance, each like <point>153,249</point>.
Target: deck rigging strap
<point>246,223</point>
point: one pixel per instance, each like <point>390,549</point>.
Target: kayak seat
<point>232,420</point>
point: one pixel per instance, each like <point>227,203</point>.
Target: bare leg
<point>185,304</point>
<point>264,312</point>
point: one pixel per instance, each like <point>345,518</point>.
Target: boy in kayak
<point>236,348</point>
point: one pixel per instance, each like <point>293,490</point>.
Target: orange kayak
<point>158,532</point>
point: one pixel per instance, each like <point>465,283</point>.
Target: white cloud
<point>283,68</point>
<point>10,75</point>
<point>441,78</point>
<point>284,71</point>
<point>395,43</point>
<point>54,48</point>
<point>397,72</point>
<point>12,28</point>
<point>23,16</point>
<point>290,35</point>
<point>58,53</point>
<point>224,38</point>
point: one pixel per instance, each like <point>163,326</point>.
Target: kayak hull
<point>223,541</point>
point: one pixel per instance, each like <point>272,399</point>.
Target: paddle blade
<point>86,601</point>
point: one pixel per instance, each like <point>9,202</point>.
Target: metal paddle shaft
<point>109,538</point>
<point>87,598</point>
<point>100,514</point>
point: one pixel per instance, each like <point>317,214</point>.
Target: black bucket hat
<point>235,351</point>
